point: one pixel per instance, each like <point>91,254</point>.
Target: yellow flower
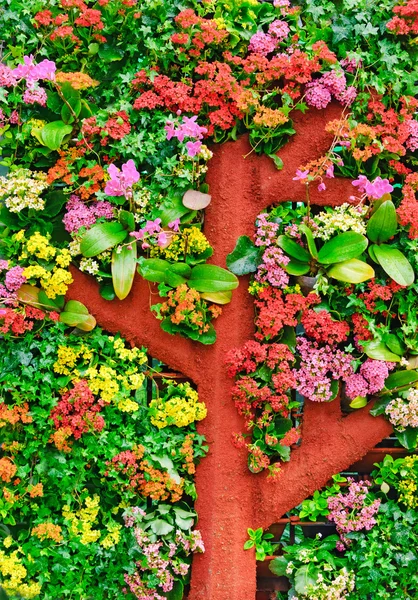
<point>113,537</point>
<point>127,405</point>
<point>8,541</point>
<point>19,236</point>
<point>178,410</point>
<point>36,272</point>
<point>57,285</point>
<point>38,245</point>
<point>64,258</point>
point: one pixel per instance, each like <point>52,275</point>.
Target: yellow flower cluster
<point>12,575</point>
<point>133,354</point>
<point>82,521</point>
<point>190,241</point>
<point>178,410</point>
<point>54,281</point>
<point>113,536</point>
<point>67,358</point>
<point>342,218</point>
<point>408,486</point>
<point>128,405</point>
<point>22,188</point>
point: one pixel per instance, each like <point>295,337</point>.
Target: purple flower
<point>193,148</point>
<point>262,43</point>
<point>14,279</point>
<point>317,95</point>
<point>170,129</point>
<point>300,175</point>
<point>121,181</point>
<point>80,215</point>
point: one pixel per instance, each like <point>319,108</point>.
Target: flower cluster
<point>402,412</point>
<point>369,380</point>
<point>180,407</point>
<point>22,189</point>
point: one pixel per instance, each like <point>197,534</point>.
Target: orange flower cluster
<point>95,176</point>
<point>15,414</point>
<point>61,169</point>
<point>187,451</point>
<point>48,531</point>
<point>184,306</point>
<point>78,80</point>
<point>36,491</point>
<point>60,437</point>
<point>7,469</point>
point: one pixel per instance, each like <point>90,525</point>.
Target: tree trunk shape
<point>230,498</point>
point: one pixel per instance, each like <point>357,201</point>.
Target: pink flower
<point>279,30</point>
<point>322,187</point>
<point>262,43</point>
<point>317,95</point>
<point>32,72</point>
<point>330,172</point>
<point>121,181</point>
<point>300,175</point>
<point>378,188</point>
<point>174,225</point>
<point>14,279</point>
<point>361,183</point>
<point>193,148</point>
<point>35,95</point>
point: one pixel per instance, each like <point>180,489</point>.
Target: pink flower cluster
<point>153,234</point>
<point>375,189</point>
<point>80,214</point>
<point>267,231</point>
<point>188,128</point>
<point>318,367</point>
<point>412,141</point>
<point>404,413</point>
<point>13,280</point>
<point>122,180</point>
<point>351,511</point>
<point>271,269</point>
<point>370,379</point>
<point>265,43</point>
<point>319,93</point>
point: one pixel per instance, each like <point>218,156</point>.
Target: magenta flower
<point>121,181</point>
<point>322,187</point>
<point>300,175</point>
<point>330,172</point>
<point>193,148</point>
<point>174,225</point>
<point>361,183</point>
<point>32,72</point>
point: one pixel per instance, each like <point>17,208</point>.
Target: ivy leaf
<point>244,258</point>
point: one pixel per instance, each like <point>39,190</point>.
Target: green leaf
<point>211,278</point>
<point>153,269</point>
<point>127,219</point>
<point>395,264</point>
<point>28,294</point>
<point>160,527</point>
<point>408,438</point>
<point>54,201</point>
<point>73,98</point>
<point>277,161</point>
<point>110,53</point>
<point>401,379</point>
<point>342,248</point>
<point>101,237</point>
<point>244,258</point>
<point>293,249</point>
<point>383,223</point>
<point>249,544</point>
<point>295,267</point>
<point>351,271</point>
<point>305,576</point>
<point>310,239</point>
<point>53,134</point>
<point>217,297</point>
<point>123,269</point>
<point>83,322</point>
<point>177,591</point>
<point>358,402</point>
<point>182,269</point>
<point>379,351</point>
<point>56,304</point>
<point>173,279</point>
<point>74,306</point>
<point>107,292</point>
<point>379,406</point>
<point>395,344</point>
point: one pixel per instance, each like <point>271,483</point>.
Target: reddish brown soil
<point>230,497</point>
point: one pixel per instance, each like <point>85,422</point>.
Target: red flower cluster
<point>78,410</point>
<point>15,322</point>
<point>406,20</point>
<point>116,127</point>
<point>378,292</point>
<point>275,310</point>
<point>360,328</point>
<point>408,209</point>
<point>322,328</point>
<point>89,17</point>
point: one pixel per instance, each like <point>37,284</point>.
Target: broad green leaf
<point>342,247</point>
<point>304,577</point>
<point>379,351</point>
<point>107,292</point>
<point>173,279</point>
<point>153,269</point>
<point>379,406</point>
<point>310,239</point>
<point>293,249</point>
<point>372,255</point>
<point>244,258</point>
<point>395,344</point>
<point>127,219</point>
<point>278,163</point>
<point>295,267</point>
<point>54,201</point>
<point>182,269</point>
<point>211,278</point>
<point>101,237</point>
<point>249,544</point>
<point>123,269</point>
<point>56,304</point>
<point>29,294</point>
<point>383,223</point>
<point>351,271</point>
<point>401,379</point>
<point>160,527</point>
<point>395,264</point>
<point>110,53</point>
<point>217,297</point>
<point>74,306</point>
<point>408,438</point>
<point>53,134</point>
<point>358,402</point>
<point>288,337</point>
<point>83,322</point>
